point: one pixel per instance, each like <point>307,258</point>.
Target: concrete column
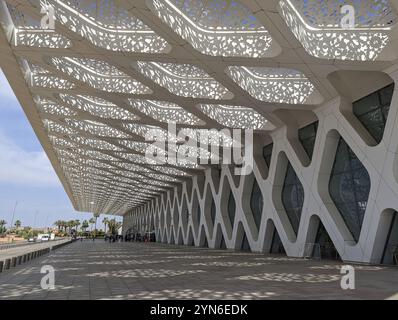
<point>7,264</point>
<point>14,262</point>
<point>1,266</point>
<point>19,259</point>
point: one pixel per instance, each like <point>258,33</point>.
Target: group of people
<point>139,238</point>
<point>113,238</point>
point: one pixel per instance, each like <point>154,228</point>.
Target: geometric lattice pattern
<point>115,72</point>
<point>226,28</point>
<point>333,125</point>
<point>317,24</point>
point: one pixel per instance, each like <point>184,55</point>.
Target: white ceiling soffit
<point>113,70</point>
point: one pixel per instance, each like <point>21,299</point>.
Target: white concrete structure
<point>114,69</point>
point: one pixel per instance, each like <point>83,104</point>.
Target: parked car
<point>45,238</point>
<point>31,240</point>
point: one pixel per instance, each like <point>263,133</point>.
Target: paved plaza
<point>100,270</point>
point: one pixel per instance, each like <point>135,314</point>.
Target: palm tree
<point>105,222</point>
<point>84,225</point>
<point>2,224</point>
<point>77,224</point>
<point>63,225</point>
<point>91,222</point>
<point>113,226</point>
<point>70,225</point>
<point>17,224</point>
<point>96,215</point>
<point>58,224</point>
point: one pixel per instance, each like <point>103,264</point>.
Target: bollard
<point>14,262</point>
<point>1,266</point>
<point>7,264</point>
<point>19,259</point>
<point>24,258</point>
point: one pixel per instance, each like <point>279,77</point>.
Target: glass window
<point>277,246</point>
<point>213,211</point>
<point>349,188</point>
<point>307,136</point>
<point>326,246</point>
<point>206,244</point>
<point>177,219</point>
<point>390,255</point>
<point>223,245</point>
<point>267,154</point>
<point>185,216</point>
<point>293,197</point>
<point>373,109</point>
<point>245,244</point>
<point>231,209</point>
<point>256,203</point>
<point>198,214</point>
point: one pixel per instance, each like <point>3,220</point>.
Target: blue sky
<point>26,175</point>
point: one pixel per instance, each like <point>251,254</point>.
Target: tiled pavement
<point>99,270</point>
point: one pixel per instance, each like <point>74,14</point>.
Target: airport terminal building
<point>311,82</point>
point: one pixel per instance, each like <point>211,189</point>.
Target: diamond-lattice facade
<point>113,76</point>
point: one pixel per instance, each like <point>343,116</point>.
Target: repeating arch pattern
<point>97,147</point>
<point>332,124</point>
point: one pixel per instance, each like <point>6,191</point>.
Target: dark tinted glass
<point>349,188</point>
<point>373,109</point>
<point>307,136</point>
<point>293,197</point>
<point>231,208</point>
<point>245,244</point>
<point>213,211</point>
<point>390,255</point>
<point>326,246</point>
<point>267,154</point>
<point>256,203</point>
<point>277,246</point>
